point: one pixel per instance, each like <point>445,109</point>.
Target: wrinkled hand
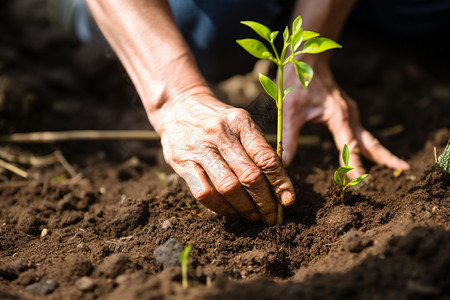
<point>324,102</point>
<point>225,160</point>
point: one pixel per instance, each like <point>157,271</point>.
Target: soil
<point>90,230</point>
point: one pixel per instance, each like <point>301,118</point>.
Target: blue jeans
<point>211,27</point>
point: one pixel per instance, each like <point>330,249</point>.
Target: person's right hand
<point>225,160</point>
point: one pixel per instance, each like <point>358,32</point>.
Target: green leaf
<point>260,29</point>
<point>273,35</point>
<point>319,44</point>
<point>443,161</point>
<point>297,39</point>
<point>337,178</point>
<point>304,72</point>
<point>307,35</point>
<point>357,180</point>
<point>269,86</point>
<point>255,48</point>
<point>296,25</point>
<point>345,155</point>
<point>286,91</point>
<point>286,35</point>
<point>345,170</point>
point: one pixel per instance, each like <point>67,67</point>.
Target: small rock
<point>168,254</point>
<point>166,224</point>
<point>85,284</point>
<point>42,288</point>
<point>44,232</point>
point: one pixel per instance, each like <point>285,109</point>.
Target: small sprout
<point>443,161</point>
<point>343,171</point>
<point>292,40</point>
<point>184,257</point>
<point>162,178</point>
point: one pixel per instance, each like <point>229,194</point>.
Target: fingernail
<point>287,198</point>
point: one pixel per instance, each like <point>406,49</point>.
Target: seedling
<point>312,44</point>
<point>443,161</point>
<point>342,171</point>
<point>184,257</point>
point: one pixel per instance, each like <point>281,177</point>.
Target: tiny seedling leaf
<point>337,178</point>
<point>260,29</point>
<point>286,91</point>
<point>345,155</point>
<point>307,35</point>
<point>319,44</point>
<point>304,72</point>
<point>443,161</point>
<point>273,35</point>
<point>297,39</point>
<point>357,180</point>
<point>255,48</point>
<point>269,86</point>
<point>296,25</point>
<point>286,35</point>
<point>345,170</point>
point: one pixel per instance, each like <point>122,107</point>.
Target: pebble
<point>166,224</point>
<point>42,288</point>
<point>168,254</point>
<point>85,284</point>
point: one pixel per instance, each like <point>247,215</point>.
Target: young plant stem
<point>280,132</point>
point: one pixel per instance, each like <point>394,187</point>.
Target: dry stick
<point>144,135</point>
<point>65,164</point>
<point>13,169</point>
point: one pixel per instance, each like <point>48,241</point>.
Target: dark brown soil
<point>93,235</point>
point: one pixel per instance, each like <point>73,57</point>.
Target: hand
<point>324,102</point>
<point>224,158</point>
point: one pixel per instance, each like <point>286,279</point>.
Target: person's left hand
<point>324,102</point>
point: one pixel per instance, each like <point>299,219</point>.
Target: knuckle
<point>251,176</point>
<point>268,160</point>
<point>238,114</point>
<point>227,186</point>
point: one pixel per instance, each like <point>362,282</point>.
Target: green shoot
<point>443,161</point>
<point>184,257</point>
<point>291,39</point>
<point>342,171</point>
<point>162,178</point>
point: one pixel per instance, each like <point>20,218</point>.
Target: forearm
<point>148,43</point>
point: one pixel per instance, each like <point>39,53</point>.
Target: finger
<point>201,189</point>
<point>343,134</point>
<point>228,186</point>
<point>265,158</point>
<point>252,179</point>
<point>376,152</point>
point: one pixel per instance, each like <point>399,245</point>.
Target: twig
<point>13,169</point>
<point>65,164</point>
<point>15,156</point>
<point>76,135</point>
<point>102,135</point>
